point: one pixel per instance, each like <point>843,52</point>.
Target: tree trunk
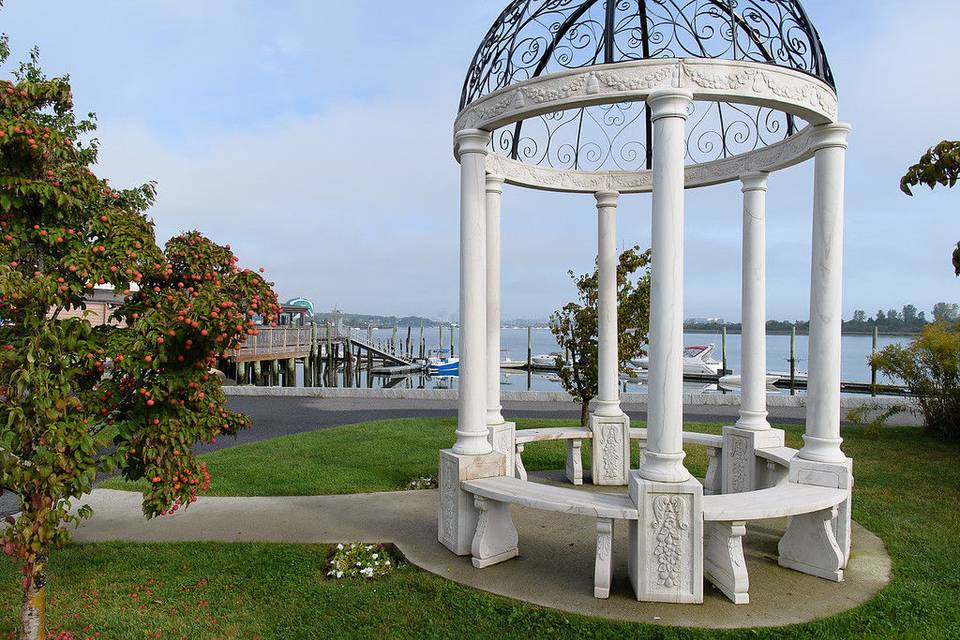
<point>584,413</point>
<point>33,614</point>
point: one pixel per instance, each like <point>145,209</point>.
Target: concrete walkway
<point>555,568</point>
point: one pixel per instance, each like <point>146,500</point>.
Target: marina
<point>401,357</point>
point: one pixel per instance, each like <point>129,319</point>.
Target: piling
<point>423,345</point>
<point>290,373</point>
<point>723,350</point>
<point>256,372</point>
<point>529,358</point>
<point>409,347</point>
<point>348,364</point>
<point>241,373</point>
<point>793,361</point>
<point>452,353</point>
<point>274,373</point>
<point>873,368</point>
<point>393,341</point>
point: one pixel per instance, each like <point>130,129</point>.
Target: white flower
<point>386,562</point>
<point>340,547</point>
<point>368,572</point>
<point>339,574</point>
<point>375,556</point>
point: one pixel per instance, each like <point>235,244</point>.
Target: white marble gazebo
<point>617,98</point>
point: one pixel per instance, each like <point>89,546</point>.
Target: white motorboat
<point>696,361</point>
<point>507,363</point>
<point>798,376</point>
<point>736,381</point>
<point>547,361</point>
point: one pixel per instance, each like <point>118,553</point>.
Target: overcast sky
<point>315,138</point>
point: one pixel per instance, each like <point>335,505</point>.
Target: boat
<point>442,364</point>
<point>736,381</point>
<point>800,377</point>
<point>547,361</point>
<point>512,364</point>
<point>696,361</point>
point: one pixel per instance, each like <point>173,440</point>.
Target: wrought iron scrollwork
<point>536,37</point>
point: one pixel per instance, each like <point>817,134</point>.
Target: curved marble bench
<point>496,537</point>
<point>574,437</point>
<point>809,540</point>
<point>809,544</point>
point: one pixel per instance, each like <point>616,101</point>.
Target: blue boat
<point>440,363</point>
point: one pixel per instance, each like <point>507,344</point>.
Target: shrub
<point>930,368</point>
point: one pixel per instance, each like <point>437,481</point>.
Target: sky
<point>315,137</point>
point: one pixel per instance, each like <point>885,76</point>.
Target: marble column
<point>472,411</point>
<point>753,305</point>
<point>501,432</point>
<point>820,461</point>
<point>608,365</point>
<point>742,471</point>
<point>668,499</point>
<point>472,457</point>
<point>663,460</point>
<point>822,435</point>
<point>610,453</point>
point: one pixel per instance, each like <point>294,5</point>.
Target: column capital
<point>831,135</point>
<point>669,103</point>
<point>471,141</point>
<point>495,183</point>
<point>607,198</point>
<point>754,181</point>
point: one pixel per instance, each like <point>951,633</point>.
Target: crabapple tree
<point>135,396</point>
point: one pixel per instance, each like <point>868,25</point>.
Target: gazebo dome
<point>534,38</point>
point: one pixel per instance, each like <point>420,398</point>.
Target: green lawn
<point>907,491</point>
<point>373,456</point>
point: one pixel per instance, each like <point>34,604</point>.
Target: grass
<point>907,491</point>
<point>368,457</point>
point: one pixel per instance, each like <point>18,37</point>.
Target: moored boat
<point>696,361</point>
<point>441,363</point>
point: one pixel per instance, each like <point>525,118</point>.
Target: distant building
<point>100,306</point>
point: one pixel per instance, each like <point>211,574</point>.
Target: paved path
<point>555,568</point>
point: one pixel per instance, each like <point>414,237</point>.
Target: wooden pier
<point>270,357</point>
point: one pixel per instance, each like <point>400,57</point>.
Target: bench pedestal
<point>458,515</point>
<point>742,469</point>
<point>809,546</point>
<point>835,475</point>
<point>496,537</point>
<point>723,561</point>
<point>610,451</point>
<point>575,462</point>
<point>666,553</point>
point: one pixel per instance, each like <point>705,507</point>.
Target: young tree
<point>575,325</point>
<point>938,166</point>
<point>65,384</point>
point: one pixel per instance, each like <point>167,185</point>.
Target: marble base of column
<point>458,515</point>
<point>742,470</point>
<point>666,544</point>
<point>610,450</point>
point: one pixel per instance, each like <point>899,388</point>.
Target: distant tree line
<point>907,320</point>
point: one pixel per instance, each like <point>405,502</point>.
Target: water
<point>856,350</point>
